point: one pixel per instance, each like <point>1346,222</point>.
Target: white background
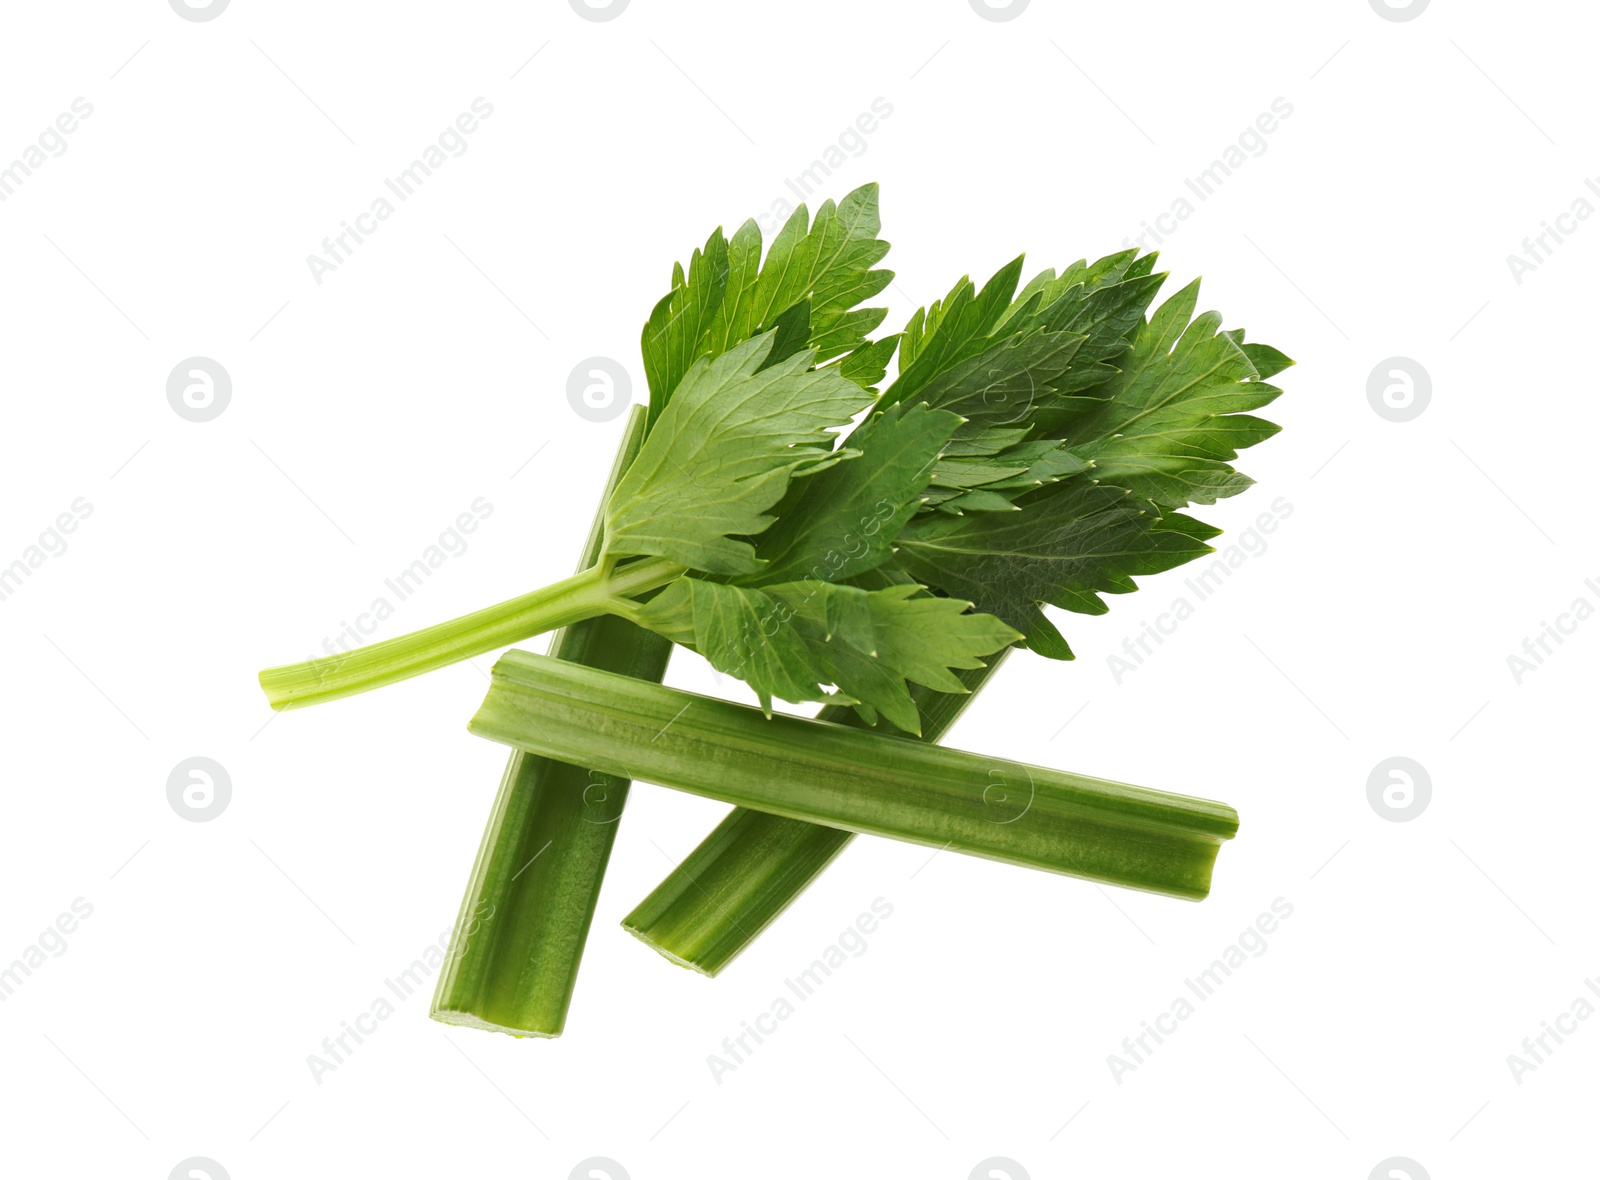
<point>370,410</point>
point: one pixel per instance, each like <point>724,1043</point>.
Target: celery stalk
<point>589,593</point>
<point>754,865</point>
<point>514,955</point>
<point>857,780</point>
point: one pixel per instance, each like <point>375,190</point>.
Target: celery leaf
<point>817,641</point>
<point>724,452</point>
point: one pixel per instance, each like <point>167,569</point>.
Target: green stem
<point>853,779</point>
<point>754,865</point>
<point>531,897</point>
<point>586,594</point>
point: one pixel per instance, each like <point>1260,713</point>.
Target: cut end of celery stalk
<point>676,960</point>
<point>733,887</point>
<point>468,1020</point>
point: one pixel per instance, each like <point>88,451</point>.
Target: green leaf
<point>724,452</point>
<point>1027,369</point>
<point>1066,546</point>
<point>953,329</point>
<point>867,364</point>
<point>1003,386</point>
<point>844,520</point>
<point>1269,362</point>
<point>979,500</point>
<point>841,274</point>
<point>1045,460</point>
<point>993,485</point>
<point>679,322</point>
<point>974,473</point>
<point>990,442</point>
<point>1098,305</point>
<point>870,643</point>
<point>1013,472</point>
<point>1174,418</point>
<point>796,639</point>
<point>730,295</point>
<point>736,319</point>
<point>1107,317</point>
<point>739,631</point>
<point>922,637</point>
<point>791,330</point>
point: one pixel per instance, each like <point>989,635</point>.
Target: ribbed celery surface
<point>861,781</point>
<point>754,865</point>
<point>519,938</point>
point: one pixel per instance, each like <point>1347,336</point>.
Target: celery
<point>753,865</point>
<point>586,595</point>
<point>824,539</point>
<point>848,778</point>
<point>529,902</point>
